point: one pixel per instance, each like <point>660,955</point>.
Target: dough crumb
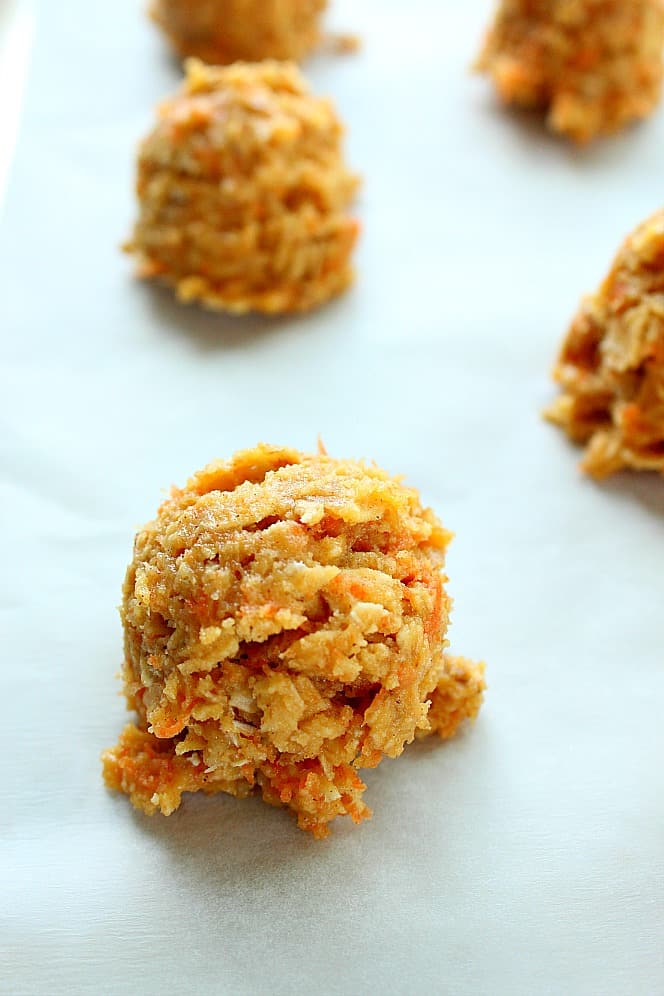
<point>285,620</point>
<point>342,43</point>
<point>243,192</point>
<point>592,65</point>
<point>611,367</point>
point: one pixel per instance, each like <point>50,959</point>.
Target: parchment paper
<point>526,857</point>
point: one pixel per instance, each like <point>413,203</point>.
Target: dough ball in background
<point>591,65</point>
<point>223,31</point>
<point>243,192</point>
<point>611,367</point>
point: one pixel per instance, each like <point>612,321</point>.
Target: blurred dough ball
<point>222,31</point>
<point>592,65</point>
<point>285,620</point>
<point>244,193</point>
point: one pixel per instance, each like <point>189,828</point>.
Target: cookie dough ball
<point>593,65</point>
<point>243,192</point>
<point>611,367</point>
<point>222,31</point>
<point>285,619</point>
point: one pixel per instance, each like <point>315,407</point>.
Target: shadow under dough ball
<point>593,65</point>
<point>611,367</point>
<point>285,621</point>
<point>223,31</point>
<point>243,192</point>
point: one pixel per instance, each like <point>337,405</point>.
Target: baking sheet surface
<point>524,857</point>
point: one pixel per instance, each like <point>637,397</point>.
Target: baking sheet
<point>16,32</point>
<point>524,857</point>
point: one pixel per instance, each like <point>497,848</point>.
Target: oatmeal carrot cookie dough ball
<point>593,65</point>
<point>611,367</point>
<point>285,619</point>
<point>244,194</point>
<point>222,31</point>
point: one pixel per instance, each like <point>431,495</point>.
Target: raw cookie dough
<point>222,31</point>
<point>285,619</point>
<point>611,367</point>
<point>243,192</point>
<point>593,65</point>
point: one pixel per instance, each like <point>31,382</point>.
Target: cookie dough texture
<point>611,367</point>
<point>285,619</point>
<point>593,65</point>
<point>223,31</point>
<point>243,192</point>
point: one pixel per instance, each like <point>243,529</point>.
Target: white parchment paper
<point>527,856</point>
